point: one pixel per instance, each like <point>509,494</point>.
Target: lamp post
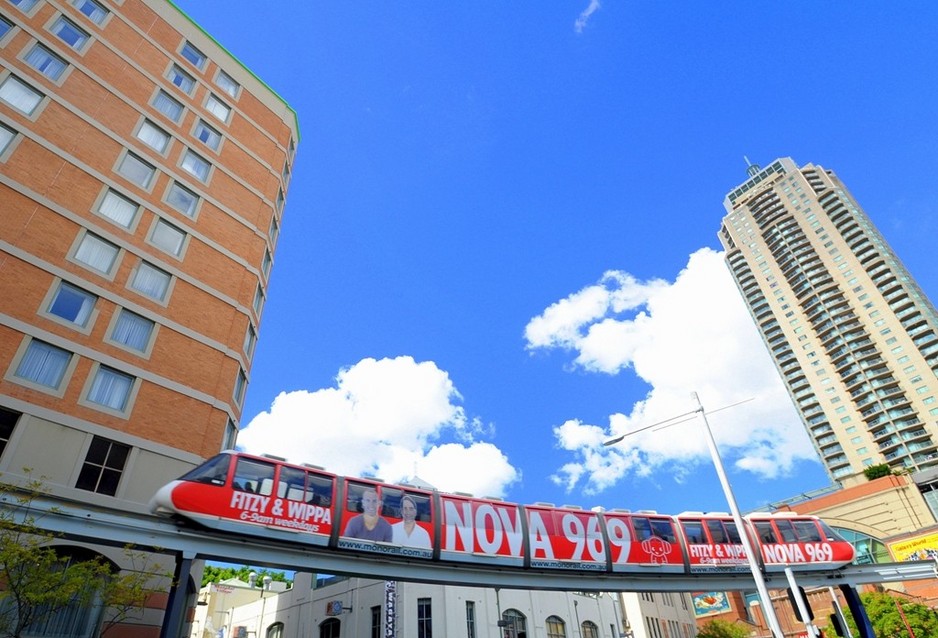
<point>767,608</point>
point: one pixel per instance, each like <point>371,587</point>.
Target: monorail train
<point>266,496</point>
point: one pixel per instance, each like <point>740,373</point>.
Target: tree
<point>126,592</point>
<point>39,580</point>
<point>722,629</point>
<point>218,573</point>
<point>877,471</point>
<point>884,615</point>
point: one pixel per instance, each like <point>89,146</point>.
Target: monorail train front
<point>194,494</point>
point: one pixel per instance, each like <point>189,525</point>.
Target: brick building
<point>143,175</point>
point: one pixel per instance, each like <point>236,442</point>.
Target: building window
<point>181,79</point>
<point>250,340</point>
<point>93,9</point>
<point>590,630</point>
<point>118,209</point>
<point>274,231</point>
<point>230,436</point>
<point>517,624</point>
<point>424,618</point>
<point>70,33</point>
<point>195,165</point>
<point>241,384</point>
<point>193,55</point>
<point>25,5</point>
<point>168,106</point>
<point>151,281</point>
<point>137,170</point>
<point>258,299</point>
<point>227,84</point>
<point>275,630</point>
<point>555,627</point>
<point>96,253</point>
<point>265,265</point>
<point>43,364</point>
<point>153,136</point>
<point>7,135</point>
<point>280,200</point>
<point>207,135</point>
<point>376,621</point>
<point>218,108</point>
<point>8,420</point>
<point>182,199</point>
<point>470,619</point>
<point>167,237</point>
<point>72,304</point>
<point>103,466</point>
<point>46,62</point>
<point>110,388</point>
<point>5,27</point>
<point>132,330</point>
<point>330,628</point>
<point>285,174</point>
<point>20,95</point>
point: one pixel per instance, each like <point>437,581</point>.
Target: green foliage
<point>219,573</point>
<point>722,629</point>
<point>38,581</point>
<point>884,615</point>
<point>877,471</point>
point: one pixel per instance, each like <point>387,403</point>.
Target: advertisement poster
<point>916,548</point>
<point>710,603</point>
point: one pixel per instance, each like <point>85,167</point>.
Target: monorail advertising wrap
<point>270,498</point>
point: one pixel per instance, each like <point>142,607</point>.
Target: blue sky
<point>500,241</point>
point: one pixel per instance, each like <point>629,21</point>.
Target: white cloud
<point>384,418</point>
<point>584,17</point>
<point>694,334</point>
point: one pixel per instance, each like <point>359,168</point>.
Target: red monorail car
<point>266,496</point>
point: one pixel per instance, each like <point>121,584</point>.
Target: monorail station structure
<point>143,176</point>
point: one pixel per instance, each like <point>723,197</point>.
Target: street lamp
<point>767,607</point>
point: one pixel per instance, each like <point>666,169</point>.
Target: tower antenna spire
<point>751,169</point>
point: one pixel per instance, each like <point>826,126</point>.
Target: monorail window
<point>717,533</point>
<point>694,532</point>
<point>393,503</point>
<point>663,528</point>
<point>254,476</point>
<point>299,485</point>
<point>807,531</point>
<point>766,532</point>
<point>214,471</point>
<point>647,527</point>
<point>829,533</point>
<point>787,531</point>
<point>319,490</point>
<point>732,532</point>
<point>292,484</point>
<point>723,531</point>
<point>356,493</point>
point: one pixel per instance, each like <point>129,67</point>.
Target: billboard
<point>924,547</point>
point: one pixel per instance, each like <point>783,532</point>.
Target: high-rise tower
<point>854,338</point>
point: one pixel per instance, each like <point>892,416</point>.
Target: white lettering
<point>539,538</point>
<point>619,537</point>
<point>457,525</point>
<point>512,529</point>
<point>487,521</point>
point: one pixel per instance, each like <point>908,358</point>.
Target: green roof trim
<point>296,121</point>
